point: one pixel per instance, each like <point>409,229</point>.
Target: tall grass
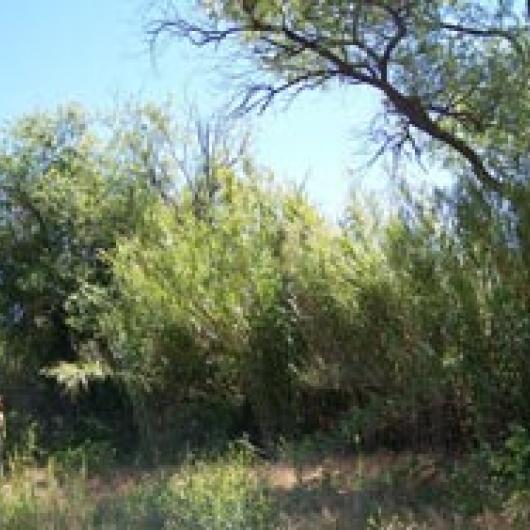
<point>235,491</point>
<point>216,494</point>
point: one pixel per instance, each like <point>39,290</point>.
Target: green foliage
<point>219,495</point>
<point>74,378</point>
<point>517,510</point>
<point>90,457</point>
<point>64,201</point>
<point>511,463</point>
<point>248,312</point>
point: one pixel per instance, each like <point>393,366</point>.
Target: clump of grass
<point>218,495</point>
<point>33,498</point>
<point>396,522</point>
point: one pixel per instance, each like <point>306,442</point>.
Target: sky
<point>94,52</point>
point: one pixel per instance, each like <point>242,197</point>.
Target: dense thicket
<point>180,310</point>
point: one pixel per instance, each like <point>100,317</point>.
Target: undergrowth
<point>306,488</point>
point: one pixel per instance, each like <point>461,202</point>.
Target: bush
<point>219,495</point>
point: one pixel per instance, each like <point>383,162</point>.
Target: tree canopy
<point>453,74</point>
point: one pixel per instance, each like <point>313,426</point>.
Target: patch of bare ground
<point>381,491</point>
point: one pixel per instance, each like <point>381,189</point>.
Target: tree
<point>209,143</point>
<point>452,72</point>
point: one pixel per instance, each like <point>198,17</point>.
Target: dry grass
<point>383,491</point>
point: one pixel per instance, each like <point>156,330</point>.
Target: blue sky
<point>94,52</point>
